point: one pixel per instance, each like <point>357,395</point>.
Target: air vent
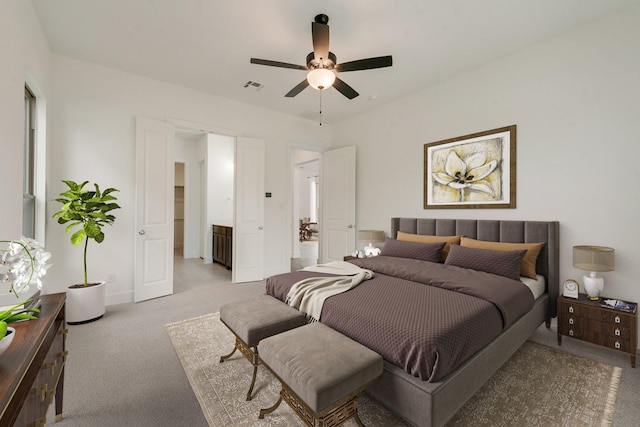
<point>253,85</point>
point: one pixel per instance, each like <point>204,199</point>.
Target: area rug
<point>538,386</point>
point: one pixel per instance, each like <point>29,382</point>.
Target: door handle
<point>350,226</point>
<point>260,227</point>
<point>141,232</point>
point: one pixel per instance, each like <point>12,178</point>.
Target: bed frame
<point>432,404</point>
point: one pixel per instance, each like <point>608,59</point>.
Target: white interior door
<point>338,186</point>
<point>248,231</point>
<point>154,209</point>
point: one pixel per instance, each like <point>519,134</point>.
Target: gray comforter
<point>424,317</point>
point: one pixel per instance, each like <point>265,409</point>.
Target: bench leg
<point>223,358</point>
<point>267,411</point>
<point>253,382</point>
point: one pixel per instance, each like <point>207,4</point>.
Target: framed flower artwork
<point>476,171</point>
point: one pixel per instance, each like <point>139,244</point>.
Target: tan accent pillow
<point>424,238</point>
<point>528,266</point>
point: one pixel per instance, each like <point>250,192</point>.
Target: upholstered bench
<point>321,372</point>
<point>253,320</point>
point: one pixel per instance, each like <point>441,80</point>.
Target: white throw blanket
<point>309,295</point>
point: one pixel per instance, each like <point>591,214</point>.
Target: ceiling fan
<point>322,66</point>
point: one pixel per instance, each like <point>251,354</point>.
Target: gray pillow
<point>502,263</point>
<point>422,251</point>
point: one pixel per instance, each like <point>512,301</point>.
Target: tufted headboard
<point>547,263</point>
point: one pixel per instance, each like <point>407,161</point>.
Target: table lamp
<point>593,259</point>
<point>371,237</point>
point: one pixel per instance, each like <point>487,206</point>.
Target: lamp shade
<point>371,236</point>
<point>321,78</point>
<point>593,258</point>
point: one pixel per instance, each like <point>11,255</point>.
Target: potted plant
<point>22,264</point>
<point>85,212</point>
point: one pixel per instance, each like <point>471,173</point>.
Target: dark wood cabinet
<point>586,320</point>
<point>32,368</point>
<point>222,245</point>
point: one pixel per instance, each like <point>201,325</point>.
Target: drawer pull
<point>570,332</point>
<point>617,319</point>
<point>52,395</point>
<point>571,320</point>
<point>52,367</point>
<point>42,390</point>
<point>64,332</point>
<point>64,355</point>
<point>617,344</point>
<point>617,332</point>
<point>570,309</point>
<point>40,422</point>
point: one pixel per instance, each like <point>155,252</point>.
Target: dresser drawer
<point>608,316</point>
<point>567,308</point>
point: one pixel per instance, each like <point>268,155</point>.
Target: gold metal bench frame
<point>250,353</point>
<point>332,416</point>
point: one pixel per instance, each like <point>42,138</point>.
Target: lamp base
<point>593,286</point>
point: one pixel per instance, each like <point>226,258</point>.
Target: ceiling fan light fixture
<point>321,78</point>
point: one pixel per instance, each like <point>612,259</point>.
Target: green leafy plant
<point>9,316</point>
<point>90,210</point>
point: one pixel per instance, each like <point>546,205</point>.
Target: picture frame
<point>476,171</point>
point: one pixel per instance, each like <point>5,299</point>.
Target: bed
<point>424,384</point>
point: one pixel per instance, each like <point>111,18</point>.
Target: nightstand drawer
<point>608,316</point>
<point>570,308</point>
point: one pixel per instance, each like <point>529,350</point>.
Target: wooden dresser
<point>32,368</point>
<point>222,247</point>
<point>588,321</point>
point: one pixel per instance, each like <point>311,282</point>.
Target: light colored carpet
<point>538,386</point>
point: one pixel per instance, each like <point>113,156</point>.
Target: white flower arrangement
<point>23,263</point>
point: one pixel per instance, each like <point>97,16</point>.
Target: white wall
<point>574,100</point>
<point>94,138</point>
<point>25,56</point>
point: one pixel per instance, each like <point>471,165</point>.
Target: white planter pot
<point>85,304</point>
<point>5,342</point>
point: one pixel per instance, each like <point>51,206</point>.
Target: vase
<point>85,304</point>
<point>6,341</point>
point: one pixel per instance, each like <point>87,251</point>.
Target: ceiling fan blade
<point>365,64</point>
<point>345,89</point>
<point>320,36</point>
<point>299,88</point>
<point>277,64</point>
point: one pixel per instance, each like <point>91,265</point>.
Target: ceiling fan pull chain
<point>320,107</point>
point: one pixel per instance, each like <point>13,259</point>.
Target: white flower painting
<point>473,171</point>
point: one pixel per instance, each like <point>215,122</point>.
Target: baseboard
<point>121,298</point>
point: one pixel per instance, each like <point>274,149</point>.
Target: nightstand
<point>588,321</point>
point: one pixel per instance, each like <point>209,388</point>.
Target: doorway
<point>204,185</point>
<point>306,181</point>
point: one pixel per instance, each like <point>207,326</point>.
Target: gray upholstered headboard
<point>498,231</point>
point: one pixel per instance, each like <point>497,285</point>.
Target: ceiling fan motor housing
<point>329,62</point>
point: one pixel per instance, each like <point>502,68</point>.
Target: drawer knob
<point>570,332</point>
<point>42,390</point>
<point>617,345</point>
<point>617,319</point>
<point>571,320</point>
<point>617,332</point>
<point>570,309</point>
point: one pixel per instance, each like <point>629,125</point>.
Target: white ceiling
<point>206,44</point>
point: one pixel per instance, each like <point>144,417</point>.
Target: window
<point>29,159</point>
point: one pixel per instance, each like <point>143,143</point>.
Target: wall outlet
<point>111,277</point>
